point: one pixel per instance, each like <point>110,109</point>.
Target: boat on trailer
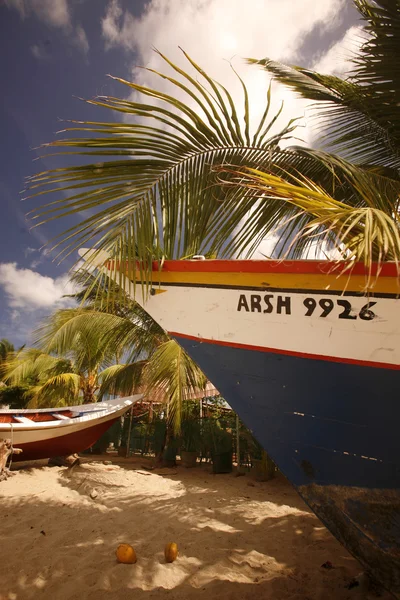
<point>48,432</point>
<point>308,355</point>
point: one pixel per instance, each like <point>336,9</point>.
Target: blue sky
<point>52,51</point>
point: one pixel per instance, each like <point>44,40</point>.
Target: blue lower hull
<point>333,430</point>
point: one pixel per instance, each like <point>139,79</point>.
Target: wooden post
<point>129,432</point>
<point>6,448</point>
<point>201,429</point>
<point>237,443</point>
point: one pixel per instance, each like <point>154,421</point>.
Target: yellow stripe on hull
<point>289,281</point>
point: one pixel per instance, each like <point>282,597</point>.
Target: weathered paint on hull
<point>332,429</point>
<point>63,445</point>
<point>366,521</point>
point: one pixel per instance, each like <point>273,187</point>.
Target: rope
<point>12,445</point>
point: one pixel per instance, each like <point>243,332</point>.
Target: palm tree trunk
<point>89,395</point>
<point>89,388</point>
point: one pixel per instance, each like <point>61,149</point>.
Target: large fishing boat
<point>308,354</point>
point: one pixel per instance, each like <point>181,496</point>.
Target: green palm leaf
<point>360,233</point>
<point>159,190</point>
<point>90,350</point>
<point>172,370</point>
<point>123,379</point>
<point>359,116</point>
<point>31,364</point>
<point>160,195</point>
<point>58,390</point>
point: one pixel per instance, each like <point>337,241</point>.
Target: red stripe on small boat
<point>63,445</point>
<point>350,361</point>
<point>274,266</point>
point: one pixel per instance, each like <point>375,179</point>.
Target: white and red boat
<point>47,432</point>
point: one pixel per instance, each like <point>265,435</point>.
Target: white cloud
<point>38,52</point>
<point>80,39</point>
<point>26,289</point>
<point>40,253</point>
<point>29,298</point>
<point>337,60</point>
<point>266,247</point>
<point>15,315</point>
<point>35,263</point>
<point>52,12</point>
<point>28,250</point>
<point>110,23</point>
<point>219,28</point>
<point>213,32</point>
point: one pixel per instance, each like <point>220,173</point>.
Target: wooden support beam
<point>6,449</point>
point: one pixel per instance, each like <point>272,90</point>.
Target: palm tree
<point>6,350</point>
<point>360,114</point>
<point>152,359</point>
<point>13,396</point>
<point>360,119</point>
<point>52,381</point>
<point>161,195</point>
<point>65,365</point>
<point>78,358</point>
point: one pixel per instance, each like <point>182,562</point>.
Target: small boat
<point>308,355</point>
<point>48,432</point>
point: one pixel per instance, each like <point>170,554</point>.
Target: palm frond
<point>157,197</point>
<point>172,370</point>
<point>377,65</point>
<point>56,391</point>
<point>160,195</point>
<point>103,296</point>
<point>351,123</point>
<point>6,355</point>
<point>121,379</point>
<point>359,116</point>
<point>97,338</point>
<point>359,233</point>
<point>32,364</point>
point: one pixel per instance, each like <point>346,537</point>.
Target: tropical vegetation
<point>360,121</point>
<point>6,350</point>
<point>83,354</point>
<point>155,181</point>
<point>15,396</point>
<point>178,177</point>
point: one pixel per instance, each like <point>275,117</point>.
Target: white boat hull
<point>60,436</point>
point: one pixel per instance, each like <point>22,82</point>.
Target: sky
<point>55,52</point>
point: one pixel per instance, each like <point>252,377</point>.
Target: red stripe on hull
<point>273,266</point>
<point>350,361</point>
<point>63,445</point>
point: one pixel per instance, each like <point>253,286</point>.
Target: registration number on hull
<point>310,306</point>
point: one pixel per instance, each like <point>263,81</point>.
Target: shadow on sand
<point>236,541</point>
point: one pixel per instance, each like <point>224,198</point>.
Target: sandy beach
<point>238,538</point>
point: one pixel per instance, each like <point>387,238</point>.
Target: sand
<point>238,539</point>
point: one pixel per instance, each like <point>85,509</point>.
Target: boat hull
<point>333,434</point>
<point>44,433</point>
<point>308,354</point>
<point>61,445</point>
